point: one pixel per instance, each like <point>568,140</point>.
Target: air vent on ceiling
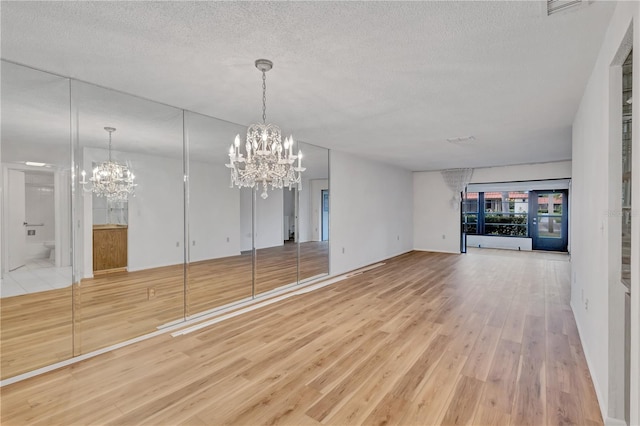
<point>555,6</point>
<point>462,139</point>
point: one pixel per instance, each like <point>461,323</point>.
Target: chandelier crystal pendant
<point>266,160</point>
<point>112,180</point>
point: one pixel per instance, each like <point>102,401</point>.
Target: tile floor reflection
<point>36,276</point>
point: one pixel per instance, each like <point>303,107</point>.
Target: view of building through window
<point>502,213</point>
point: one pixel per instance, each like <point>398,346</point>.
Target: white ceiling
<point>36,125</point>
<point>392,79</point>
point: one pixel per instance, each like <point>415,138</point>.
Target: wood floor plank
<point>501,382</point>
<point>463,403</point>
<point>487,416</point>
<point>407,387</point>
<point>563,408</point>
<point>378,386</point>
<point>432,400</point>
<point>389,411</point>
<point>530,400</point>
<point>481,355</point>
<point>428,338</point>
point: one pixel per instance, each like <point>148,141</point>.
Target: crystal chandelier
<point>110,179</point>
<point>267,160</point>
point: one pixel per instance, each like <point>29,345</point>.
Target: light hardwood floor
<point>483,338</point>
<point>41,328</point>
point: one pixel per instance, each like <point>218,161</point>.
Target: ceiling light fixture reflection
<point>112,180</point>
<point>35,164</point>
<point>266,159</point>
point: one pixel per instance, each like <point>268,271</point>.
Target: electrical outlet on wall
<point>151,293</point>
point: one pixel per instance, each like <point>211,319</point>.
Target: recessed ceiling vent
<point>555,6</point>
<point>462,139</point>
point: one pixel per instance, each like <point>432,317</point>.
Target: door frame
<point>322,213</point>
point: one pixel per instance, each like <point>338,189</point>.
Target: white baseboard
<point>601,402</point>
<point>437,251</point>
<point>610,421</point>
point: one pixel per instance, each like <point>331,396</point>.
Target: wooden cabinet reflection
<point>109,248</point>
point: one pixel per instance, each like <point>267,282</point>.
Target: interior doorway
<point>36,208</point>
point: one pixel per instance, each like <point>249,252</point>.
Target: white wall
<point>269,224</point>
<point>371,212</point>
<point>214,213</point>
<point>303,233</point>
<point>39,210</point>
<point>63,218</point>
<point>538,171</point>
<point>436,225</point>
<point>246,219</point>
<point>156,214</point>
<point>596,212</point>
<point>309,209</point>
<point>490,241</point>
<point>269,219</point>
<point>315,208</point>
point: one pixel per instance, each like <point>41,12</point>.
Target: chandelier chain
<point>264,97</point>
<point>109,145</point>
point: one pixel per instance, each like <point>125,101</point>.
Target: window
<point>503,213</point>
<point>470,213</point>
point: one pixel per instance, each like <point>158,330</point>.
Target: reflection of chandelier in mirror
<point>267,160</point>
<point>110,179</point>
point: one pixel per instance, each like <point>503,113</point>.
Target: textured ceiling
<point>391,79</point>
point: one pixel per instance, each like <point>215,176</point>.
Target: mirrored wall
<point>36,294</point>
<point>82,272</point>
